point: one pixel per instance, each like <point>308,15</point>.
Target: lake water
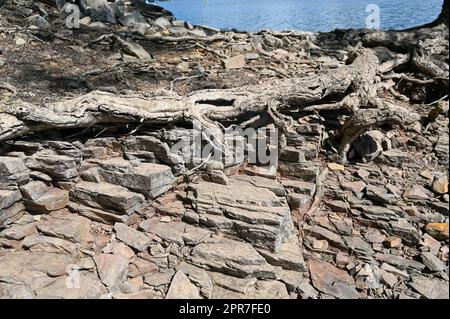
<point>304,15</point>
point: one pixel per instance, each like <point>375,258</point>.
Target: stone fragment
<point>417,192</point>
<point>40,198</point>
<point>236,62</point>
<point>69,227</point>
<point>107,196</point>
<point>250,205</point>
<point>112,269</point>
<point>401,262</point>
<point>87,286</point>
<point>440,185</point>
<point>131,237</point>
<point>289,256</point>
<point>433,263</point>
<point>332,281</point>
<point>19,232</point>
<point>60,167</point>
<point>439,231</point>
<point>161,278</point>
<point>182,288</point>
<point>231,257</point>
<point>430,288</point>
<point>46,244</point>
<point>392,242</point>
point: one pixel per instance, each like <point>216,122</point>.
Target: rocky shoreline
<point>95,202</point>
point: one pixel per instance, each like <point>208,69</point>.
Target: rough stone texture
<point>22,273</point>
<point>149,179</point>
<point>256,212</point>
<point>332,281</point>
<point>112,269</point>
<point>40,198</point>
<point>182,288</point>
<point>46,244</point>
<point>232,257</point>
<point>107,196</point>
<point>60,167</point>
<point>131,237</point>
<point>176,232</point>
<point>67,226</point>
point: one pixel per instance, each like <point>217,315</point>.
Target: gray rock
<point>394,157</point>
<point>431,288</point>
<point>162,23</point>
<point>60,167</point>
<point>31,269</point>
<point>41,198</point>
<point>300,187</point>
<point>401,262</point>
<point>45,244</point>
<point>131,237</point>
<point>298,201</point>
<point>289,256</point>
<point>112,269</point>
<point>306,172</point>
<point>256,212</point>
<point>107,196</point>
<point>161,278</point>
<point>358,246</point>
<point>441,149</point>
<point>99,215</point>
<point>182,288</point>
<point>11,166</point>
<point>71,227</point>
<point>235,62</point>
<point>323,233</point>
<point>332,281</point>
<point>8,198</point>
<point>176,232</point>
<point>19,232</point>
<point>231,257</point>
<point>38,22</point>
<point>151,180</point>
<point>432,262</point>
<point>87,286</point>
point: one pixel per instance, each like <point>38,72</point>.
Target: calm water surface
<point>304,15</point>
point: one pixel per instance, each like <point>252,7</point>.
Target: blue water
<point>304,15</point>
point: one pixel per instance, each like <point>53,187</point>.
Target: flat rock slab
<point>176,232</point>
<point>86,286</point>
<point>60,167</point>
<point>151,180</point>
<point>332,281</point>
<point>249,206</point>
<point>112,268</point>
<point>430,288</point>
<point>289,256</point>
<point>71,227</point>
<point>132,237</point>
<point>182,288</point>
<point>108,196</point>
<point>46,244</point>
<point>40,198</point>
<point>27,271</point>
<point>232,257</point>
<point>270,289</point>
